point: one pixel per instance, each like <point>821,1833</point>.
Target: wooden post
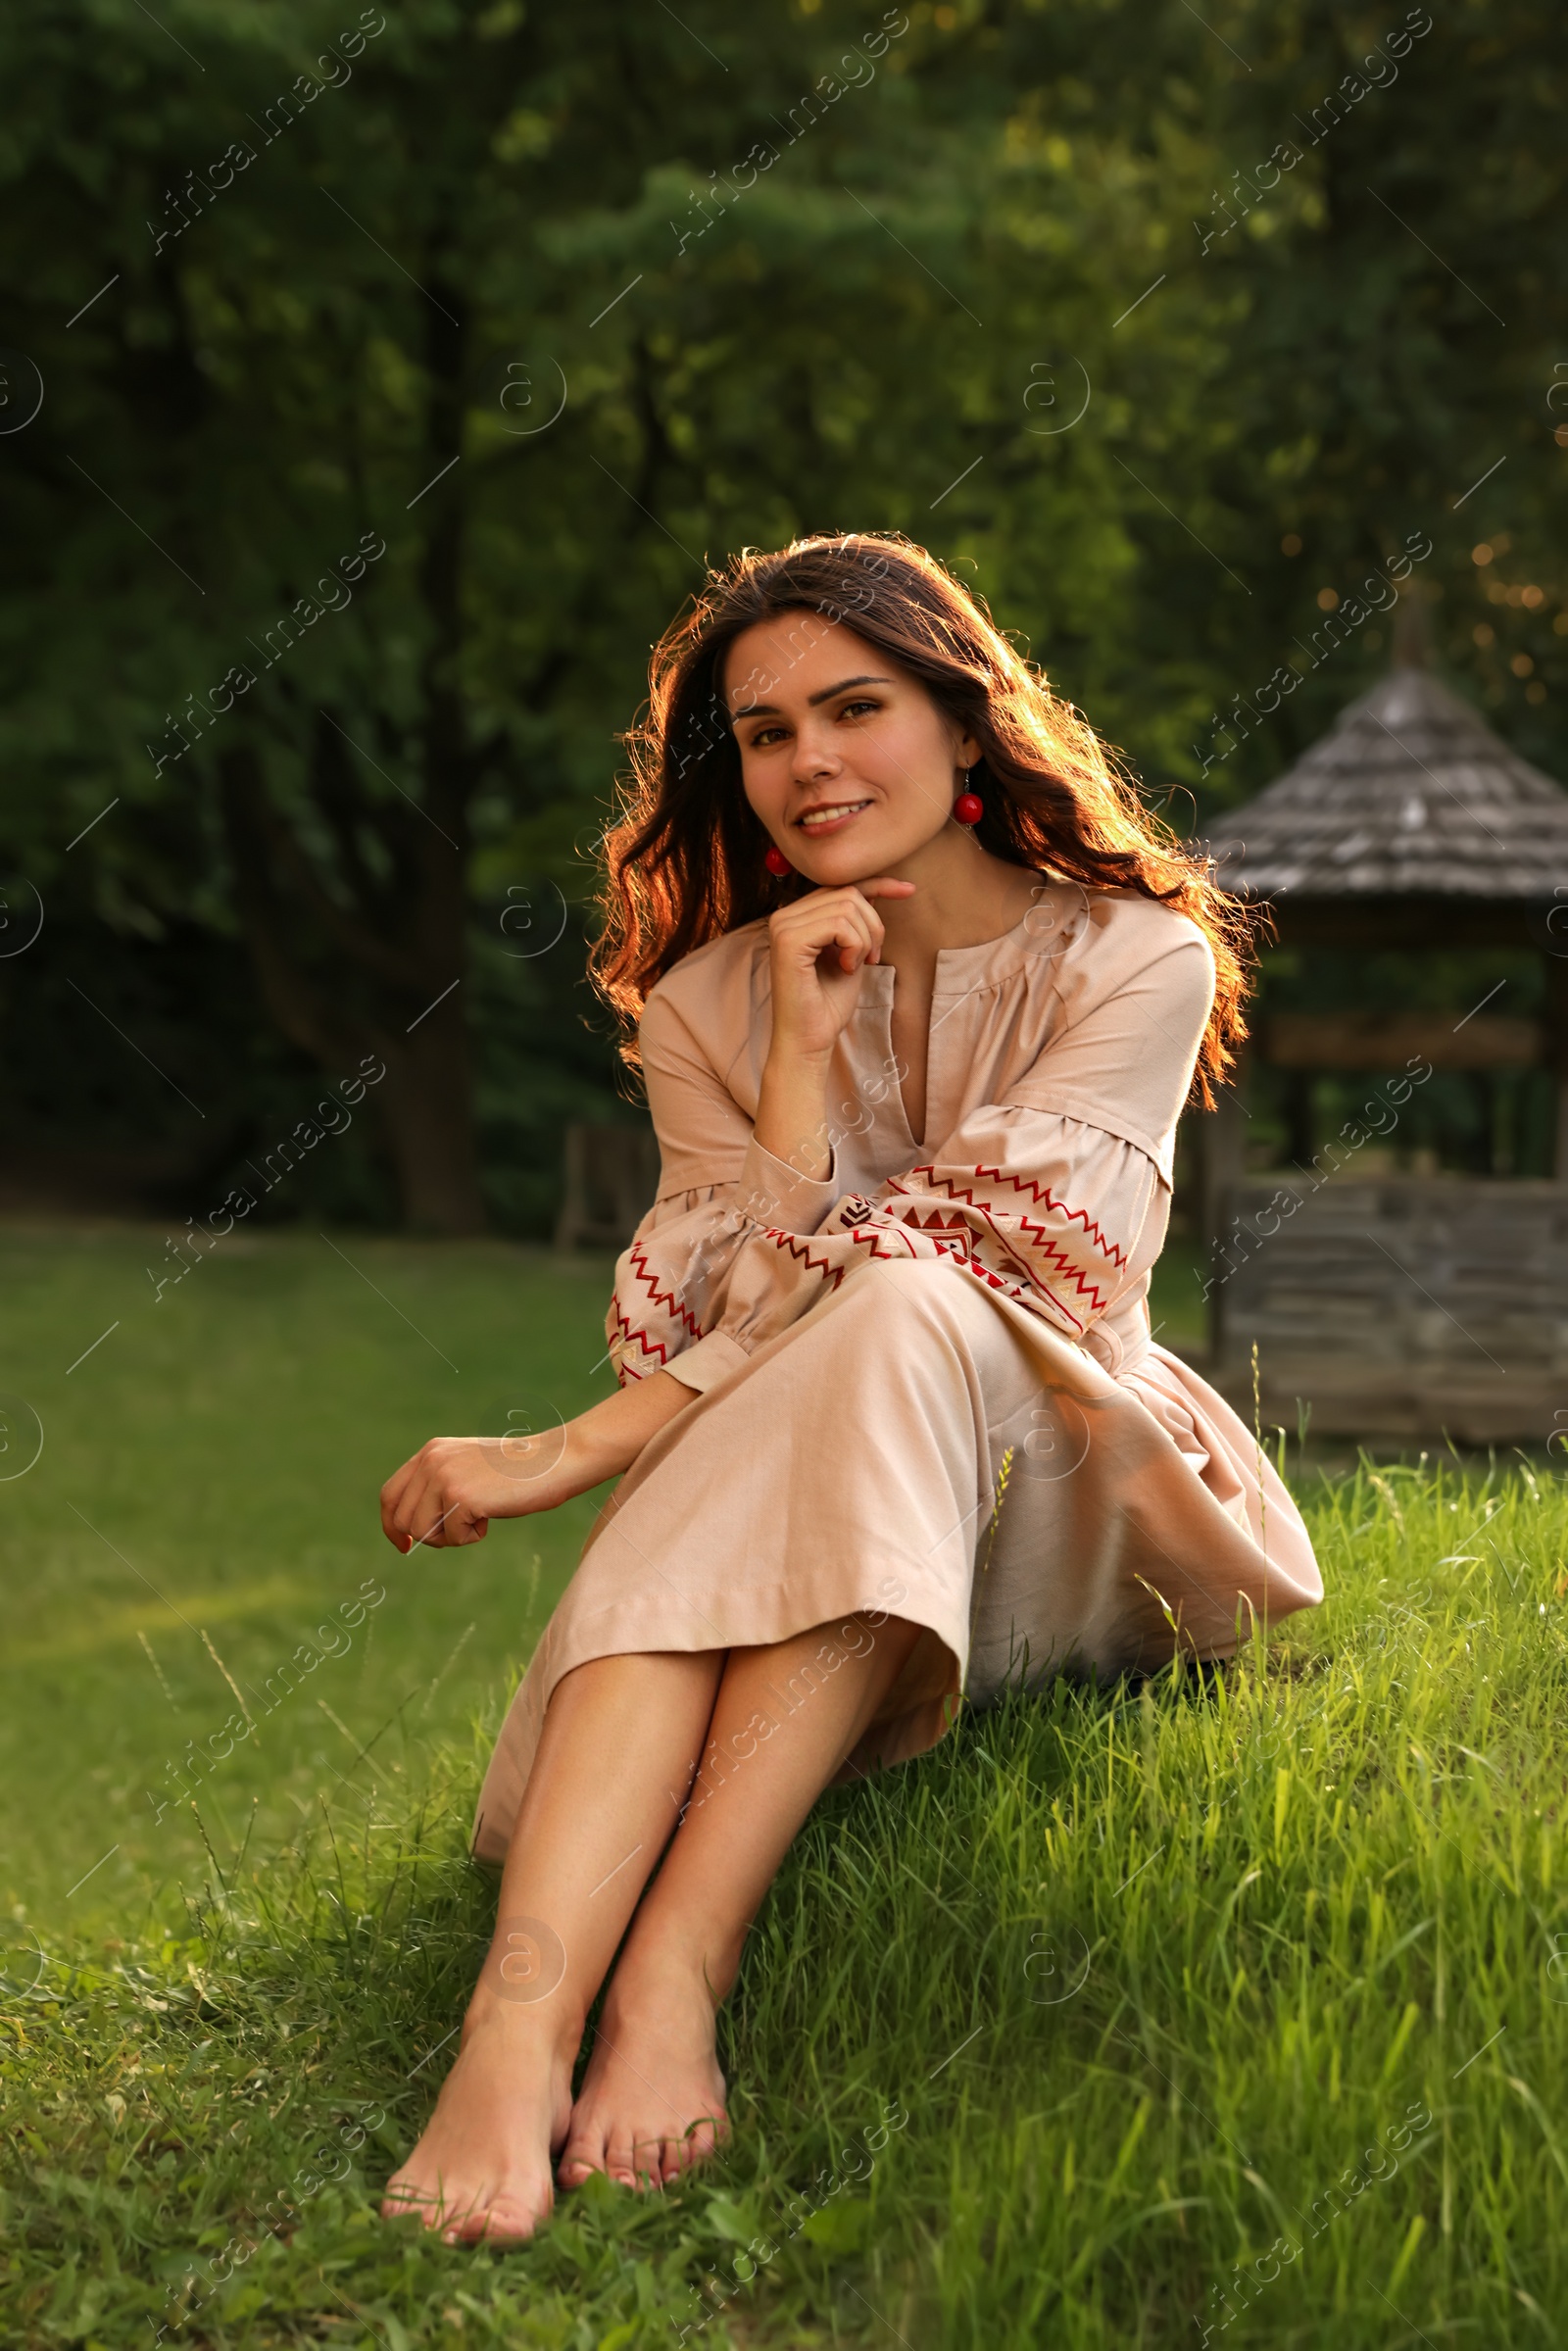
<point>1556,1026</point>
<point>1301,1140</point>
<point>1223,1159</point>
<point>611,1175</point>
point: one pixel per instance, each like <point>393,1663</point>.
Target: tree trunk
<point>342,992</point>
<point>426,1100</point>
<point>375,949</point>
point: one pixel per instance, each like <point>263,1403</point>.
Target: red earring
<point>969,808</point>
<point>777,862</point>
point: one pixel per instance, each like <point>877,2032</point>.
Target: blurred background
<point>376,385</point>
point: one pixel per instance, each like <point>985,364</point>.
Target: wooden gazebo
<point>1399,1304</point>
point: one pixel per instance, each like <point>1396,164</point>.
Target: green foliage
<point>974,219</point>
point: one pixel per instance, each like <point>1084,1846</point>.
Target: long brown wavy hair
<point>684,863</point>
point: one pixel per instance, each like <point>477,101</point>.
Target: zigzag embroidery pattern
<point>661,1298</point>
<point>1042,1194</point>
<point>666,1298</point>
<point>871,1237</point>
<point>1057,1259</point>
<point>1055,1256</point>
<point>627,1333</point>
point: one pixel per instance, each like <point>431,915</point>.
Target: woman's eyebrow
<point>844,686</point>
<point>771,709</point>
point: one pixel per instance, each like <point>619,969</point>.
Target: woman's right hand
<point>817,949</point>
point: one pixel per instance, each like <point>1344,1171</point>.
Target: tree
<point>415,361</point>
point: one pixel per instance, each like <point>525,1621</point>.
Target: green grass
<point>1149,1981</point>
<point>213,1467</point>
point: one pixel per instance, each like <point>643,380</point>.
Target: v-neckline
<point>959,971</point>
<point>916,1142</point>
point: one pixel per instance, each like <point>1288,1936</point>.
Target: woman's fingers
<point>403,1498</point>
<point>437,1497</point>
<point>857,936</point>
<point>832,918</point>
<point>817,913</point>
<point>819,946</point>
<point>392,1494</point>
<point>442,1515</point>
<point>437,1521</point>
<point>858,898</point>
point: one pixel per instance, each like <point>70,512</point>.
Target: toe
<point>582,2154</point>
<point>618,2160</point>
<point>465,2225</point>
<point>407,2200</point>
<point>513,2216</point>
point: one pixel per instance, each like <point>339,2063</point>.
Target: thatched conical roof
<point>1411,795</point>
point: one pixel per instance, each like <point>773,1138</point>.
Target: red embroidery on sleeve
<point>629,1335</point>
<point>1015,1225</point>
<point>661,1298</point>
<point>1040,1193</point>
<point>634,1334</point>
<point>1026,1292</point>
<point>947,1235</point>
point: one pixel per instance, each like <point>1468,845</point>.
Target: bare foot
<point>652,2102</point>
<point>482,2167</point>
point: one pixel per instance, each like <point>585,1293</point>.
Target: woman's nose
<point>814,754</point>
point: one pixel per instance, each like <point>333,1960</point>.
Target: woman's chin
<point>839,862</point>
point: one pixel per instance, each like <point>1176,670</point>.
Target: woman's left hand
<point>455,1486</point>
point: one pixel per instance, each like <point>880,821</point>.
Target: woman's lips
<point>832,818</point>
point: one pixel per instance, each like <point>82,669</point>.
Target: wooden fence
<point>1398,1305</point>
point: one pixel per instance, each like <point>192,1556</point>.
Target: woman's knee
<point>902,1291</point>
<point>886,1643</point>
<point>856,1637</point>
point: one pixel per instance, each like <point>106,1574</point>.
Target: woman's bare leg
<point>784,1718</point>
<point>622,1739</point>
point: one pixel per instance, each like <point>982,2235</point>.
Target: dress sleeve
<point>718,1188</point>
<point>1044,1208</point>
<point>1123,1060</point>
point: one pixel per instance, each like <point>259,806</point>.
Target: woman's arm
<point>455,1486</point>
<point>724,1176</point>
<point>817,949</point>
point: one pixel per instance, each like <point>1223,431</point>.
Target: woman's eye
<point>852,710</point>
<point>765,736</point>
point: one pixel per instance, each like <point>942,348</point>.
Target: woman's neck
<point>963,897</point>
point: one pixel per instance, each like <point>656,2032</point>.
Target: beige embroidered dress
<point>875,1353</point>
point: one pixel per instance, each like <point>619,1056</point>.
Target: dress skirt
<point>919,1445</point>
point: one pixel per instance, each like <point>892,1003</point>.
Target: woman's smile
<point>829,817</point>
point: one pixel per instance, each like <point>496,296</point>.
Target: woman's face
<point>845,756</point>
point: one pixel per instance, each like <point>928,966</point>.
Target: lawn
<point>1155,2017</point>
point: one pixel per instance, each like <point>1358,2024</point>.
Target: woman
<point>921,994</point>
